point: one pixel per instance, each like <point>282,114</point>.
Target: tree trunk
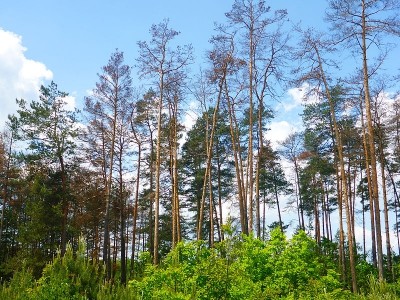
<point>343,175</point>
<point>65,207</point>
<point>374,177</point>
<point>239,174</point>
<point>158,172</point>
<point>122,218</point>
<point>221,220</point>
<point>368,175</point>
<point>135,208</point>
<point>277,204</point>
<point>209,148</point>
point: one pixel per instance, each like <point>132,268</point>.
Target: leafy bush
<point>240,267</point>
<point>245,268</point>
<point>20,287</point>
<point>70,277</point>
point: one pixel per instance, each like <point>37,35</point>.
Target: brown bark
<point>368,175</point>
<point>371,146</point>
<point>136,203</point>
<point>158,172</point>
<point>209,148</point>
<point>343,176</point>
<point>239,174</point>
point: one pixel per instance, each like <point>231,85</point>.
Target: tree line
<point>128,176</point>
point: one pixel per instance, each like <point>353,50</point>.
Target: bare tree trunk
<point>106,246</point>
<point>65,207</point>
<point>342,173</point>
<point>278,207</point>
<point>209,155</point>
<point>260,153</point>
<point>263,223</point>
<point>396,205</point>
<point>158,173</point>
<point>386,215</point>
<point>300,206</point>
<point>374,176</point>
<point>221,220</point>
<point>382,162</point>
<point>122,205</point>
<point>249,168</point>
<point>7,157</point>
<point>211,200</point>
<point>368,175</point>
<point>151,196</point>
<point>136,206</point>
<point>239,175</point>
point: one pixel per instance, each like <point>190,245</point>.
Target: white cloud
<point>297,96</point>
<point>278,132</point>
<point>190,115</point>
<point>70,103</point>
<point>20,77</point>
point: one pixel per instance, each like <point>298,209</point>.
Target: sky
<point>69,42</point>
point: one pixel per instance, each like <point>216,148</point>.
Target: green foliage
<point>117,292</point>
<point>379,290</point>
<point>20,287</point>
<point>240,267</point>
<point>69,277</point>
<point>245,268</point>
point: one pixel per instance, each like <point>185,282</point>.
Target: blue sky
<point>71,40</point>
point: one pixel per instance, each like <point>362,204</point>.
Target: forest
<point>124,200</point>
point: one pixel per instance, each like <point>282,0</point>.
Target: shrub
<point>70,277</point>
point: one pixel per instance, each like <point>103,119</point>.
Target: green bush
<point>240,267</point>
<point>72,276</point>
<point>20,287</point>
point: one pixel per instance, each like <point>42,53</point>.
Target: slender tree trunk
<point>106,246</point>
<point>382,162</point>
<point>278,207</point>
<point>158,173</point>
<point>363,214</point>
<point>368,175</point>
<point>386,215</point>
<point>122,219</point>
<point>260,153</point>
<point>239,175</point>
<point>396,205</point>
<point>151,196</point>
<point>135,207</point>
<point>209,148</point>
<point>173,186</point>
<point>176,230</point>
<point>65,207</point>
<point>6,182</point>
<point>300,206</point>
<point>249,169</point>
<point>374,176</point>
<point>339,144</point>
<point>211,200</point>
<point>221,221</point>
<point>263,223</point>
<point>327,216</point>
<point>177,205</point>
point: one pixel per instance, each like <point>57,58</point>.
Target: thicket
<point>240,267</point>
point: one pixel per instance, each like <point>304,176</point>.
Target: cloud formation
<point>298,96</point>
<point>20,77</point>
<point>278,132</point>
